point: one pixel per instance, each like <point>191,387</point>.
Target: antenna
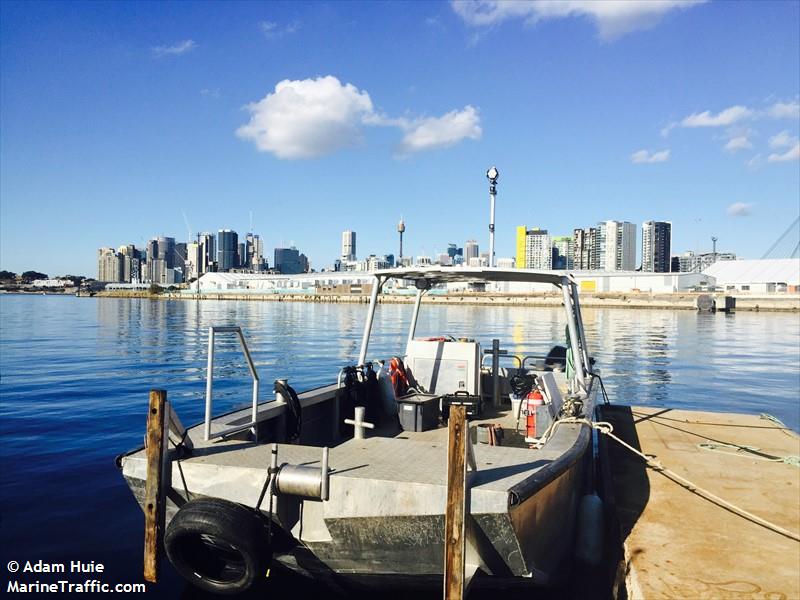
<point>251,221</point>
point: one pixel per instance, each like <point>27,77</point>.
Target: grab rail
<point>212,330</point>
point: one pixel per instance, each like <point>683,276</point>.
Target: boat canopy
<point>439,274</point>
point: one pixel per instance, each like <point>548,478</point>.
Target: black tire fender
<point>218,546</point>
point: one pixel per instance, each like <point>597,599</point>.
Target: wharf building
<point>656,246</point>
<point>534,248</point>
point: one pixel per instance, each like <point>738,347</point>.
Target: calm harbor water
<point>75,372</point>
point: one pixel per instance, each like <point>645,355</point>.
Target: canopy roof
<point>439,274</point>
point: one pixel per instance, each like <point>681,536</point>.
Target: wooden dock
<point>678,543</point>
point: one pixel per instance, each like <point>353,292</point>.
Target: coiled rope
<point>608,429</point>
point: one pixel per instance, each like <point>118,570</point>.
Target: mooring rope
<point>751,453</point>
<point>607,429</point>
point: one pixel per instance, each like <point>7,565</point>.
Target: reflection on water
<point>74,376</point>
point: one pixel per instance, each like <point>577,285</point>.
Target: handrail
<point>488,354</point>
<point>212,330</point>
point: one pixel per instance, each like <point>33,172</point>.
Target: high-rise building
<point>656,246</point>
<point>191,270</point>
<point>208,253</point>
<point>110,265</point>
<point>166,251</point>
<point>254,253</point>
<point>534,249</point>
<point>585,249</point>
<point>241,256</point>
<point>289,261</point>
<point>562,252</point>
<point>227,249</point>
<point>471,250</point>
<point>348,245</point>
<point>689,262</point>
<point>617,246</point>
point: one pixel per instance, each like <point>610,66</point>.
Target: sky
<point>120,122</point>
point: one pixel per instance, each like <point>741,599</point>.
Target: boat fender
<point>218,546</point>
<point>589,540</point>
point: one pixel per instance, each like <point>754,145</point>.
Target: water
<point>75,373</point>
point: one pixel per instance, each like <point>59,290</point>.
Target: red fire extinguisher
<point>534,399</point>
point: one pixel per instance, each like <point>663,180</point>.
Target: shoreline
<point>678,301</point>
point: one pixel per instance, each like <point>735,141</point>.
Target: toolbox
<point>461,398</point>
<point>418,412</point>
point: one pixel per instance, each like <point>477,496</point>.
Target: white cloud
<point>782,140</point>
<point>739,209</point>
<point>273,30</point>
<point>307,118</point>
<point>178,48</point>
<point>726,117</point>
<point>210,92</point>
<point>643,156</point>
<point>785,110</point>
<point>792,153</point>
<point>665,131</point>
<point>755,162</point>
<point>441,132</point>
<point>739,142</point>
<point>315,117</point>
<point>613,18</point>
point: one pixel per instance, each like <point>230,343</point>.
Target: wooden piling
<point>454,539</point>
<point>154,500</point>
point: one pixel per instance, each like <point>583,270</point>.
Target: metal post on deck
<point>413,328</point>
<point>373,302</point>
<point>581,330</point>
<point>209,378</point>
<point>573,334</point>
<point>496,373</point>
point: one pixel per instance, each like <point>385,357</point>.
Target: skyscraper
<point>617,246</point>
<point>534,248</point>
<point>585,249</point>
<point>208,252</point>
<point>289,261</point>
<point>227,249</point>
<point>109,265</point>
<point>656,246</point>
<point>471,250</point>
<point>562,252</point>
<point>348,245</point>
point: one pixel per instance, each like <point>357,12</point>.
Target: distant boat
<point>376,518</point>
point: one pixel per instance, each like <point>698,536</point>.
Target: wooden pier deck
<point>677,543</point>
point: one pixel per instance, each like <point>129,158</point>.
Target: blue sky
<point>117,118</point>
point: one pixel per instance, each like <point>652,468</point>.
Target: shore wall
<point>783,302</point>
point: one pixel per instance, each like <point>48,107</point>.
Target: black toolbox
<point>473,404</point>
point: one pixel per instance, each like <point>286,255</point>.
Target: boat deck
<point>678,544</point>
<point>391,454</point>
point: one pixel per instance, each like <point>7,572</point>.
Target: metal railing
<point>214,329</point>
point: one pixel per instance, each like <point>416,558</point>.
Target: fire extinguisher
<point>534,399</point>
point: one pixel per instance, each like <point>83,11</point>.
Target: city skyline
<point>688,113</point>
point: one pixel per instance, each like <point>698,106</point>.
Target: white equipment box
<point>441,367</point>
